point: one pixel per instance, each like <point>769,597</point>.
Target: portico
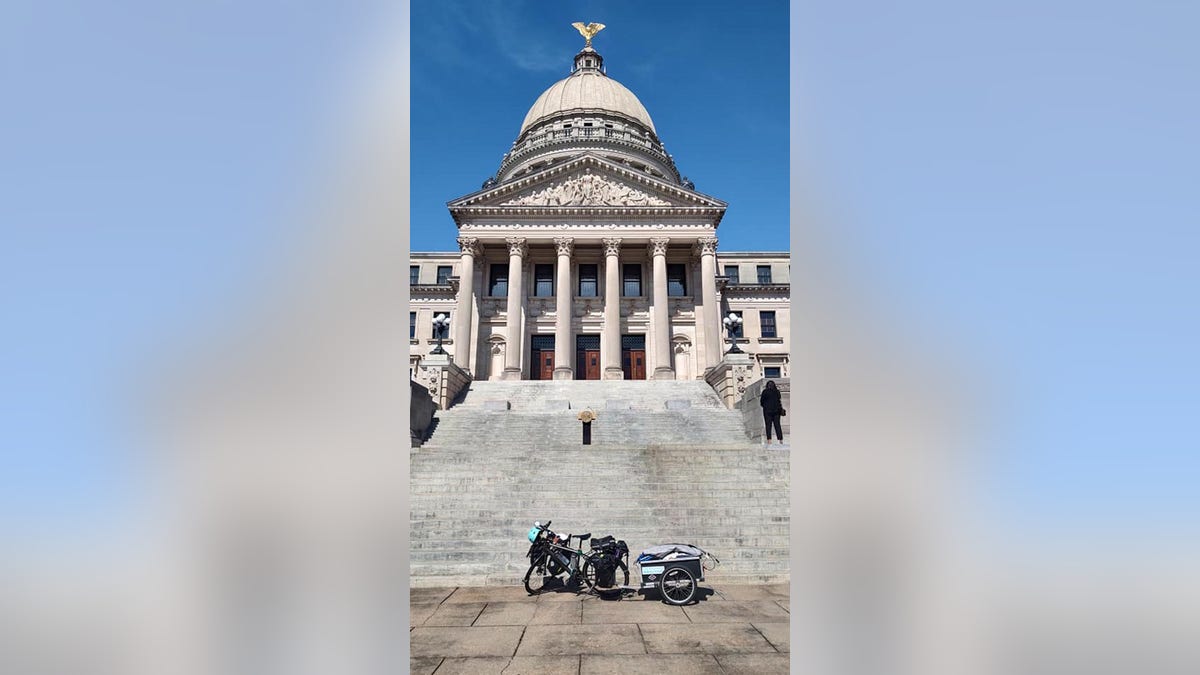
<point>586,306</point>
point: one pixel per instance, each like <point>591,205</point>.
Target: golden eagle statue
<point>588,32</point>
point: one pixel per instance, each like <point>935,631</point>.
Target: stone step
<point>657,472</point>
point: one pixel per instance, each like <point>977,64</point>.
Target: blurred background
<point>994,229</point>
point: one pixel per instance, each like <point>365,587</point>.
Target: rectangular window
<point>731,271</point>
<point>772,372</point>
<point>543,280</point>
<point>444,331</point>
<point>767,320</point>
<point>499,285</point>
<point>444,274</point>
<point>587,281</point>
<point>631,280</point>
<point>764,274</point>
<point>414,275</point>
<point>676,280</point>
<point>412,325</point>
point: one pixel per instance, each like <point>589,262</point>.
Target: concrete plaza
<point>481,630</point>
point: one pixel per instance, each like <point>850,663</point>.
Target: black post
<point>587,433</point>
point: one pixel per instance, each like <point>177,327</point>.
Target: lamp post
<point>441,324</point>
<point>732,323</point>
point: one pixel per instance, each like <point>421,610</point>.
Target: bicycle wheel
<point>677,586</point>
<point>535,578</point>
<point>620,576</point>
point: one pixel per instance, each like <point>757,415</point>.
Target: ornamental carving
<point>516,246</point>
<point>658,246</point>
<point>706,246</point>
<point>612,246</point>
<point>564,245</point>
<point>587,190</point>
<point>469,245</point>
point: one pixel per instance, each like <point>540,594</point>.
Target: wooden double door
<point>633,356</point>
<point>541,357</point>
<point>587,357</point>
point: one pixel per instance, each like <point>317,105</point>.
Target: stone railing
<point>442,379</point>
<point>730,377</point>
<point>752,411</point>
<point>420,413</point>
<point>615,138</point>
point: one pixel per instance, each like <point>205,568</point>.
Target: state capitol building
<point>588,256</point>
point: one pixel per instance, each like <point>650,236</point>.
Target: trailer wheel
<point>677,586</point>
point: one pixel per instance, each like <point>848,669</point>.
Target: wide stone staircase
<point>668,463</point>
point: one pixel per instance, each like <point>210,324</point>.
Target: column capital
<point>564,245</point>
<point>516,246</point>
<point>612,246</point>
<point>469,245</point>
<point>658,246</point>
<point>705,246</point>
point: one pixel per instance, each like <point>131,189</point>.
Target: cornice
<point>660,186</point>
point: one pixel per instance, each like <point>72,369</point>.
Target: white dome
<point>587,89</point>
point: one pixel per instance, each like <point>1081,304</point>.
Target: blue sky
<point>713,75</point>
<point>1017,178</point>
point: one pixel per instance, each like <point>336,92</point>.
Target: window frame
<point>414,275</point>
<point>734,278</point>
<point>449,270</point>
<point>537,291</point>
<point>762,324</point>
<point>677,283</point>
<point>498,273</point>
<point>595,280</point>
<point>759,269</point>
<point>625,280</point>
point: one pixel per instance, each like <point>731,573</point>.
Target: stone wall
<point>752,411</point>
<point>420,413</point>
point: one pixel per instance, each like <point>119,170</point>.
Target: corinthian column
<point>463,351</point>
<point>516,299</point>
<point>563,303</point>
<point>611,356</point>
<point>708,296</point>
<point>662,311</point>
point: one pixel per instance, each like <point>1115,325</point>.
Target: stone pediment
<point>586,189</point>
<point>587,182</point>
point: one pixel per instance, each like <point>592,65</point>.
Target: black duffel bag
<point>606,570</point>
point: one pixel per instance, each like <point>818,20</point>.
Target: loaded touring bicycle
<point>674,570</point>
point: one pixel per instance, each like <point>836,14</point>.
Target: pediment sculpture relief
<point>587,190</point>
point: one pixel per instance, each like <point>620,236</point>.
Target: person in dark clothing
<point>772,407</point>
